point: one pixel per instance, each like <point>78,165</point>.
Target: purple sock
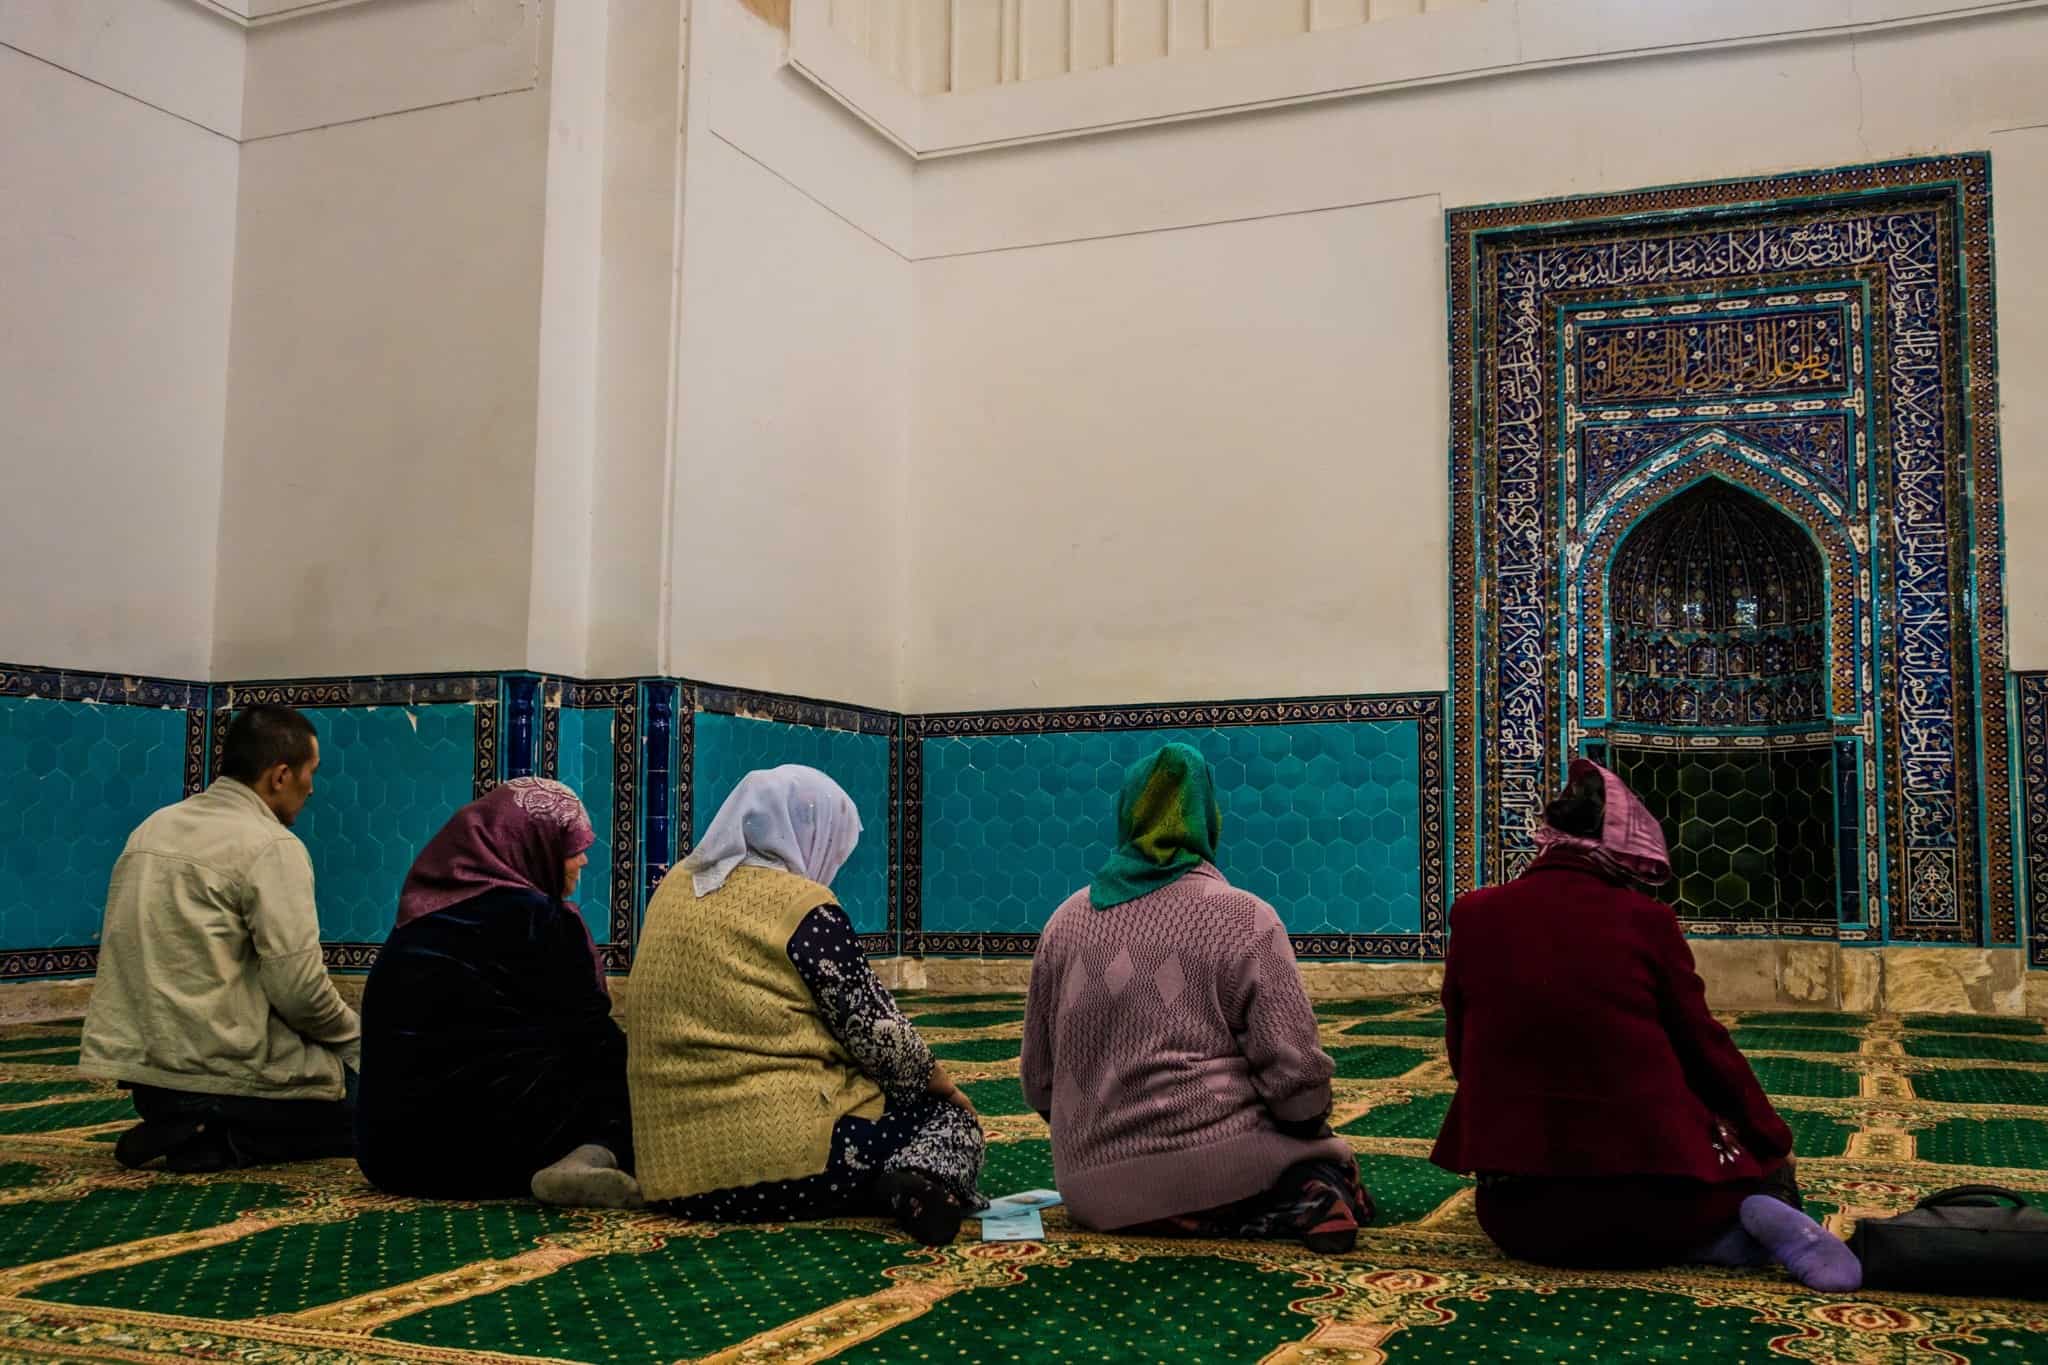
<point>1816,1257</point>
<point>1735,1249</point>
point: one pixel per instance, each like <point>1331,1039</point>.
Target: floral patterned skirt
<point>933,1137</point>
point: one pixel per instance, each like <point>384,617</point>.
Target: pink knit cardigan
<point>1162,1038</point>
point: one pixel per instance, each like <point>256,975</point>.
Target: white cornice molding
<point>1497,39</point>
<point>249,14</point>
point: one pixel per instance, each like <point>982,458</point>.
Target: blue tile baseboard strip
<point>664,779</point>
<point>399,754</point>
<point>1336,805</point>
<point>86,755</point>
<point>979,823</point>
<point>734,732</point>
<point>1334,812</point>
<point>600,726</point>
<point>898,745</point>
<point>2030,806</point>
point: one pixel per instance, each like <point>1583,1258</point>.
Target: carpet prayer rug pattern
<point>307,1265</point>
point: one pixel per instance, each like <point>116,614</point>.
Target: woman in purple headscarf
<point>491,1065</point>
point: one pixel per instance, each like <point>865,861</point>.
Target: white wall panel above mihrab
<point>174,55</point>
<point>369,60</point>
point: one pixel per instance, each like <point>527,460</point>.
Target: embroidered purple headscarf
<point>517,838</point>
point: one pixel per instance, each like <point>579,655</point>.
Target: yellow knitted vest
<point>735,1079</point>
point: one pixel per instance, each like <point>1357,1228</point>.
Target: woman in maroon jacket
<point>1609,1117</point>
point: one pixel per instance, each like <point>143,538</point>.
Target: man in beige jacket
<point>212,1004</point>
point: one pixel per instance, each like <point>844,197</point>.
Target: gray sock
<point>588,1177</point>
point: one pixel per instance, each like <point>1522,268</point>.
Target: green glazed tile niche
<point>390,776</point>
<point>81,776</point>
<point>1322,820</point>
<point>1752,833</point>
<point>727,748</point>
<point>587,749</point>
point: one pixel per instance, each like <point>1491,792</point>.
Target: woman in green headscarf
<point>1170,1045</point>
<point>1167,825</point>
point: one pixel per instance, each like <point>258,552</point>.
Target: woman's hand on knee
<point>943,1086</point>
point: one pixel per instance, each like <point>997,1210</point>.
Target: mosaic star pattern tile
<point>1321,820</point>
<point>2030,724</point>
<point>1752,833</point>
<point>1812,355</point>
<point>1719,611</point>
<point>307,1263</point>
<point>1337,803</point>
<point>601,738</point>
<point>730,747</point>
<point>81,776</point>
<point>587,750</point>
<point>390,776</point>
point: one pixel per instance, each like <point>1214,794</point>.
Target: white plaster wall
<point>918,427</point>
<point>1231,56</point>
<point>1662,120</point>
<point>608,313</point>
<point>324,67</point>
<point>793,379</point>
<point>117,240</point>
<point>1194,464</point>
<point>2019,169</point>
<point>743,95</point>
<point>1042,510</point>
<point>572,259</point>
<point>176,56</point>
<point>644,88</point>
<point>935,46</point>
<point>379,509</point>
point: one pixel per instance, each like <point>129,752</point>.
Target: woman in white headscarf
<point>773,1077</point>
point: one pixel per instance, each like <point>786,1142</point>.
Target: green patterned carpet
<point>307,1264</point>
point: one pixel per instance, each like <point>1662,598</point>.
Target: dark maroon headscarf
<point>515,838</point>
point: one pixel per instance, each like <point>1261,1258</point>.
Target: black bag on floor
<point>1979,1240</point>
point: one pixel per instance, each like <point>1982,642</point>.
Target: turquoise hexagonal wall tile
<point>81,776</point>
<point>729,747</point>
<point>390,776</point>
<point>587,750</point>
<point>1322,820</point>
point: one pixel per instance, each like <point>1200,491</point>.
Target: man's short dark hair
<point>261,737</point>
